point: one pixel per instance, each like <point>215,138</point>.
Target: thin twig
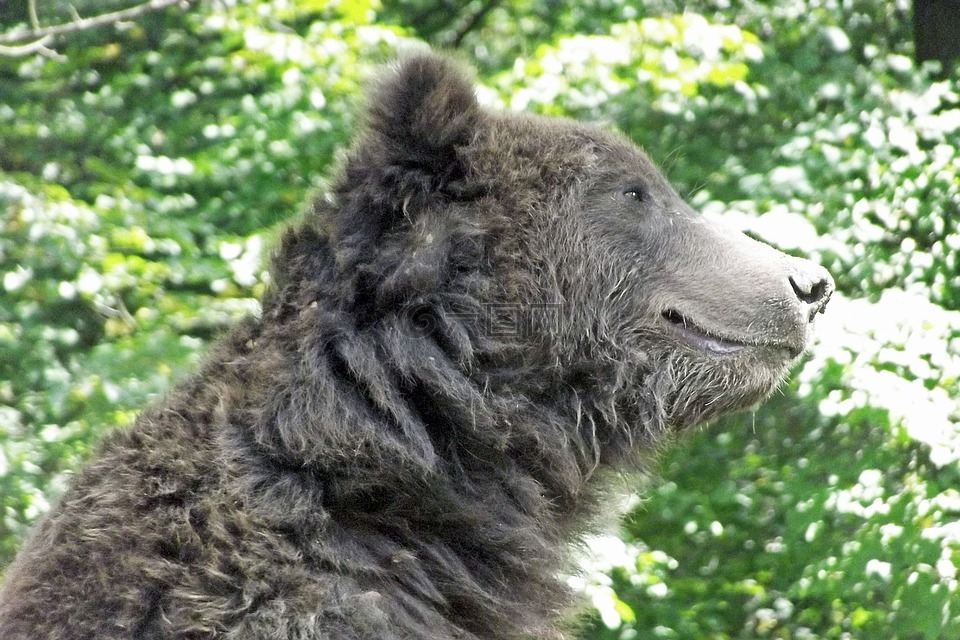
<point>89,23</point>
<point>469,23</point>
<point>32,9</point>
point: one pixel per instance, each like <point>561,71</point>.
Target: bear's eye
<point>636,192</point>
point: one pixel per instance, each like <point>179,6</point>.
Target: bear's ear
<point>420,111</point>
<point>407,171</point>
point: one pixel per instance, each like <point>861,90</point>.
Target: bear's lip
<point>701,338</point>
<point>698,337</point>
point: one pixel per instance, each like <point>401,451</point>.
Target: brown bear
<point>493,315</point>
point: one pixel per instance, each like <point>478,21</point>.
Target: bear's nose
<point>813,286</point>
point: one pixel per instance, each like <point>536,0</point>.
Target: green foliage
<point>141,181</point>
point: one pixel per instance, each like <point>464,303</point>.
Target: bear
<point>491,318</point>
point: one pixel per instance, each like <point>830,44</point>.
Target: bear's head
<point>544,254</point>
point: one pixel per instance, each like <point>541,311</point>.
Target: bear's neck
<point>462,470</point>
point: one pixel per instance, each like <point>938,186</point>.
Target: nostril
<point>809,291</point>
<point>813,288</point>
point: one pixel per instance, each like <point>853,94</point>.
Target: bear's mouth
<point>700,338</point>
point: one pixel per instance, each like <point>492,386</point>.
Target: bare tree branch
<point>36,46</point>
<point>83,24</point>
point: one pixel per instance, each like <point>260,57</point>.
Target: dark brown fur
<point>487,322</point>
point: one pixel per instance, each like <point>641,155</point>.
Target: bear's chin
<point>706,386</point>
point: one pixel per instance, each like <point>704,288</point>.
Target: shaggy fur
<point>497,312</point>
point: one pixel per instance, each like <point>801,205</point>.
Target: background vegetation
<point>145,167</point>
